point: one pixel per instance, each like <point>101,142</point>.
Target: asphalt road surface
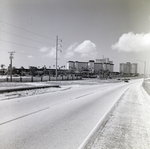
<point>56,120</point>
<point>128,126</point>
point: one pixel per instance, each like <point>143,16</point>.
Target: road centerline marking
<point>23,116</point>
<point>84,95</point>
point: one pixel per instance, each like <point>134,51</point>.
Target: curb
<point>26,88</point>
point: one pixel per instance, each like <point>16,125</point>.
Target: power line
<point>21,53</point>
<point>26,30</point>
<point>18,44</point>
<point>32,33</point>
<point>25,37</point>
<point>3,50</point>
<point>65,43</point>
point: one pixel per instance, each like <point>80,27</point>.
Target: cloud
<point>85,49</point>
<point>131,42</point>
<point>72,47</point>
<point>30,56</point>
<point>69,54</point>
<point>70,51</point>
<point>44,49</point>
<point>52,53</point>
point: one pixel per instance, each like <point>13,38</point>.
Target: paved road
<point>128,126</point>
<point>56,120</point>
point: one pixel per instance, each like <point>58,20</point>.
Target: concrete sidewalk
<point>128,124</point>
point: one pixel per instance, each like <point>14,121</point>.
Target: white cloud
<point>72,47</point>
<point>30,56</point>
<point>70,51</point>
<point>69,54</point>
<point>52,53</point>
<point>44,49</point>
<point>131,42</point>
<point>86,49</point>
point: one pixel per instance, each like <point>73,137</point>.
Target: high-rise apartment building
<point>100,64</point>
<point>128,68</point>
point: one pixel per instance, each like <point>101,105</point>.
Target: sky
<point>86,30</point>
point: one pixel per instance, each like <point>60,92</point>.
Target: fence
<point>40,79</point>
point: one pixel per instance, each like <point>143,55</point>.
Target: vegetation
<point>61,71</point>
<point>3,69</point>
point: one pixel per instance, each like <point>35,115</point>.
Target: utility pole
<point>57,44</point>
<point>144,62</point>
<point>144,71</point>
<point>11,57</point>
<point>56,54</point>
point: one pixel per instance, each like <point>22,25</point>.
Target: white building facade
<point>128,68</point>
<point>92,66</point>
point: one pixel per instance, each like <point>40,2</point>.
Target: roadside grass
<point>62,84</point>
<point>87,81</point>
<point>13,84</point>
<point>146,86</point>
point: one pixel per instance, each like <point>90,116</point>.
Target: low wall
<point>40,79</point>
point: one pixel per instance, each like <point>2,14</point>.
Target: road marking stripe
<point>84,95</point>
<point>23,116</point>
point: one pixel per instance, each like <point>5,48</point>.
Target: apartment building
<point>91,65</point>
<point>128,68</point>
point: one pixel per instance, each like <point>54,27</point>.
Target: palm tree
<point>22,71</point>
<point>107,74</point>
<point>2,67</point>
<point>33,70</point>
<point>44,70</point>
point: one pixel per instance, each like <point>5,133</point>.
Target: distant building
<point>106,64</point>
<point>128,68</point>
<point>133,68</point>
<point>80,65</point>
<point>92,66</point>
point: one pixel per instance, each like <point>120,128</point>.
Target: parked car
<point>126,80</point>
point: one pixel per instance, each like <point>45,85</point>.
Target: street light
<point>144,69</point>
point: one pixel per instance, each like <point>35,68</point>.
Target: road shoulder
<point>128,125</point>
